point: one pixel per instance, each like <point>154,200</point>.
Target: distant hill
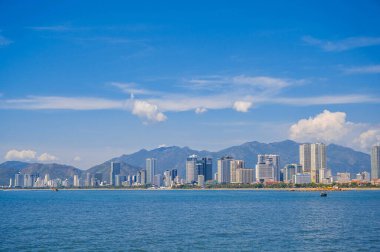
<point>10,168</point>
<point>339,158</point>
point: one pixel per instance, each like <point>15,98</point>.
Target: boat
<point>55,189</point>
<point>323,194</point>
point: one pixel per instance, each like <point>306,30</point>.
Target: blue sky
<point>85,81</point>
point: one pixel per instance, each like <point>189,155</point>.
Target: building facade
<point>318,160</point>
<point>305,157</point>
<point>115,170</point>
<point>150,167</point>
<point>375,162</point>
<point>224,169</point>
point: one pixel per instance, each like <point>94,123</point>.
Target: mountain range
<point>339,159</point>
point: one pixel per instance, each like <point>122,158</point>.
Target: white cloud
<point>368,138</point>
<point>148,111</point>
<point>332,127</point>
<point>324,100</point>
<point>26,155</point>
<point>77,158</point>
<point>374,69</point>
<point>261,81</point>
<point>326,127</point>
<point>342,45</point>
<point>132,88</point>
<point>59,102</point>
<point>242,106</point>
<point>200,110</point>
<point>46,157</point>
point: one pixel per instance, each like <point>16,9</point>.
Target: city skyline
<point>229,171</point>
<point>85,84</point>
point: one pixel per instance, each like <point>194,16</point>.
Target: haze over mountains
<point>339,159</point>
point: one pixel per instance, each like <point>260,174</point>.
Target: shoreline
<point>199,189</point>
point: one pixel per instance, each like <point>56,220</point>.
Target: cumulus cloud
<point>77,158</point>
<point>326,126</point>
<point>46,157</point>
<point>242,106</point>
<point>200,110</point>
<point>368,138</point>
<point>26,155</point>
<point>333,127</point>
<point>148,111</point>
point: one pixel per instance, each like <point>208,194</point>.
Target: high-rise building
<point>76,181</point>
<point>236,164</point>
<point>201,180</point>
<point>98,178</point>
<point>325,176</point>
<point>28,180</point>
<point>157,180</point>
<point>87,182</point>
<point>167,179</point>
<point>117,181</point>
<point>268,167</point>
<point>19,180</point>
<point>115,170</point>
<point>192,167</point>
<point>173,174</point>
<point>375,162</point>
<point>47,179</point>
<point>150,166</point>
<point>290,170</point>
<point>317,160</point>
<point>198,166</point>
<point>224,169</point>
<point>245,175</point>
<point>305,157</point>
<point>142,177</point>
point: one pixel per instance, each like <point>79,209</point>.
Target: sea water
<point>189,220</point>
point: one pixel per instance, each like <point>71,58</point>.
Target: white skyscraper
<point>245,175</point>
<point>305,157</point>
<point>167,179</point>
<point>191,169</point>
<point>317,160</point>
<point>375,162</point>
<point>268,167</point>
<point>76,181</point>
<point>236,164</point>
<point>224,169</point>
<point>289,171</point>
<point>151,165</point>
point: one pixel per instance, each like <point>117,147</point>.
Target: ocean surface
<point>189,221</point>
